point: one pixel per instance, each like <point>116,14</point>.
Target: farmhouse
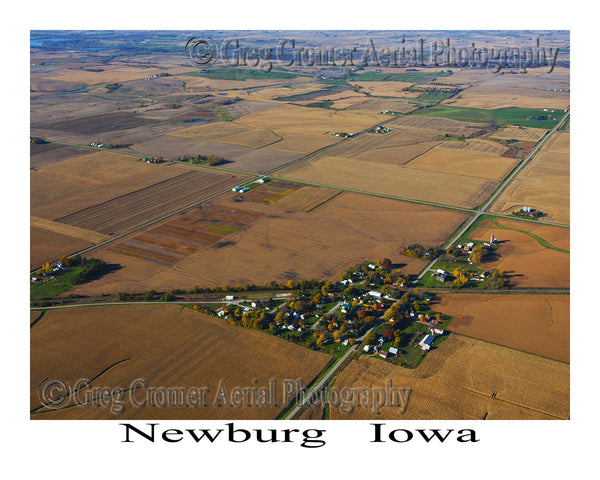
<point>436,331</point>
<point>426,342</point>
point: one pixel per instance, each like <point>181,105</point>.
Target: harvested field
<point>169,347</point>
<point>543,184</point>
<point>381,104</point>
<point>527,134</point>
<point>492,96</point>
<point>286,245</point>
<point>239,157</point>
<point>124,212</point>
<point>395,180</point>
<point>477,145</point>
<point>89,235</point>
<point>527,262</point>
<point>291,119</point>
<point>465,379</point>
<point>110,74</point>
<point>47,153</point>
<point>387,89</point>
<point>302,144</point>
<point>270,192</point>
<point>439,125</point>
<point>64,187</point>
<point>229,132</point>
<point>468,162</point>
<point>399,155</point>
<point>306,198</point>
<point>96,124</point>
<point>184,234</point>
<point>536,324</point>
<point>48,246</point>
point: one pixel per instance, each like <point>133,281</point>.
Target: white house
<point>436,331</point>
<point>367,348</point>
<point>426,342</point>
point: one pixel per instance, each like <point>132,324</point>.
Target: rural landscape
<point>296,221</point>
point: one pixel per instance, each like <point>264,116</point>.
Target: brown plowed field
<point>465,378</point>
<point>168,346</point>
<point>284,245</point>
<point>528,134</point>
<point>48,246</point>
<point>126,211</point>
<point>533,323</point>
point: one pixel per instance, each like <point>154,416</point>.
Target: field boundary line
<point>540,240</point>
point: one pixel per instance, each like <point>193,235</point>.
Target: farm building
<point>426,342</point>
<point>436,331</point>
<point>375,294</point>
<point>393,351</point>
<point>383,354</point>
<point>367,348</point>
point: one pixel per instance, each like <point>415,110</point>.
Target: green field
<point>230,73</point>
<point>413,77</point>
<point>499,116</point>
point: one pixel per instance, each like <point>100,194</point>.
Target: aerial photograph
<point>299,225</point>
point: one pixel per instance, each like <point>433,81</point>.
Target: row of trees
<point>209,160</point>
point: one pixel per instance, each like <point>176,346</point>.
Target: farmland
<point>287,245</point>
<point>536,324</point>
<point>395,180</point>
<point>174,347</point>
<point>529,261</point>
<point>542,184</point>
<point>349,213</point>
<point>466,379</point>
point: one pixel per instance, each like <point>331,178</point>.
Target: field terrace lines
<point>126,211</point>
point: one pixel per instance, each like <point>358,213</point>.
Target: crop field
<point>399,155</point>
<point>174,347</point>
<point>440,126</point>
<point>64,187</point>
<point>536,324</point>
<point>493,96</point>
<point>48,246</point>
<point>378,104</point>
<point>110,74</point>
<point>543,184</point>
<point>44,154</point>
<point>184,234</point>
<point>238,157</point>
<point>465,379</point>
<point>229,132</point>
<point>466,161</point>
<point>95,124</point>
<point>478,145</point>
<point>126,211</point>
<point>526,134</point>
<point>306,198</point>
<point>291,119</point>
<point>455,189</point>
<point>290,245</point>
<point>270,192</point>
<point>527,261</point>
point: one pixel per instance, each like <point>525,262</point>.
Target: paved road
<point>496,194</point>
